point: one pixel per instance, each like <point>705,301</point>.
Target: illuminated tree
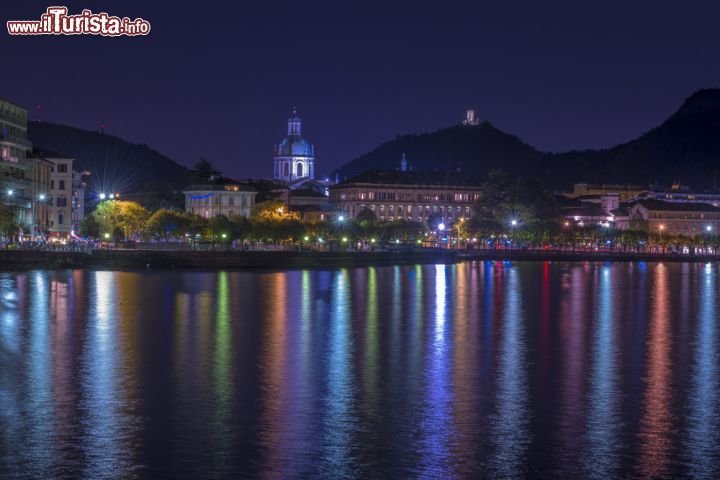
<point>128,217</point>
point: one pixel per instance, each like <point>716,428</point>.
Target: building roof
<point>659,205</point>
<point>306,192</point>
<point>219,184</point>
<point>294,146</point>
<point>412,178</point>
<point>45,153</point>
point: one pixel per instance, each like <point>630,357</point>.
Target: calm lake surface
<point>507,370</point>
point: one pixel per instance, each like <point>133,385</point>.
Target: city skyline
<point>558,78</point>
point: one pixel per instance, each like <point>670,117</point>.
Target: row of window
<point>407,210</point>
<point>684,216</point>
<point>457,197</point>
<point>220,200</point>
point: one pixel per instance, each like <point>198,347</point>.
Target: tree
<point>203,170</point>
<point>274,210</point>
<point>513,204</point>
<point>128,217</point>
<point>167,224</point>
<point>8,221</point>
<point>89,227</point>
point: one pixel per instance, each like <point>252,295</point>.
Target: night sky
<point>219,80</point>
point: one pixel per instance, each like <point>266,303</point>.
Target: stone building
<point>220,196</point>
<point>690,219</point>
<point>66,197</point>
<point>410,195</point>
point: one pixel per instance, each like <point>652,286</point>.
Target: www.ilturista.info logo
<point>56,21</point>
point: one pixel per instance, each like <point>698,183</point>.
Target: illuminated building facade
<point>407,195</point>
<point>66,200</point>
<point>689,219</point>
<point>15,175</point>
<point>220,196</point>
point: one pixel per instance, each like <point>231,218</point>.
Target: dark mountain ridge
<point>684,148</point>
<point>115,164</point>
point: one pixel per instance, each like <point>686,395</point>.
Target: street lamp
<point>10,193</point>
<point>42,196</point>
<point>107,235</point>
<point>708,228</point>
<point>341,218</point>
<point>513,222</point>
<point>103,196</point>
<point>441,227</point>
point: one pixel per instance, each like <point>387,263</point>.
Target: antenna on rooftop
<point>102,124</point>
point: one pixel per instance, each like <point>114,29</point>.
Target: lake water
<point>507,370</point>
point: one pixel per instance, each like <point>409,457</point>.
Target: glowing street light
<point>224,235</point>
<point>708,228</point>
<point>10,193</point>
<point>344,239</point>
<point>513,222</point>
<point>341,218</point>
<point>107,235</point>
<point>103,196</point>
<point>41,196</point>
<point>112,196</point>
<point>306,238</point>
<point>441,227</point>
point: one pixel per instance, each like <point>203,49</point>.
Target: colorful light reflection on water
<point>443,371</point>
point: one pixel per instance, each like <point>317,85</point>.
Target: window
<point>62,168</point>
<point>61,184</point>
<point>61,202</point>
<point>60,219</point>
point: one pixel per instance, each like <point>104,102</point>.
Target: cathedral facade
<point>294,157</point>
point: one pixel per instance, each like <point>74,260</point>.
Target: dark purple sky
<point>220,79</point>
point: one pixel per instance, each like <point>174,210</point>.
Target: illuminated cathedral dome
<point>294,145</point>
<point>294,156</point>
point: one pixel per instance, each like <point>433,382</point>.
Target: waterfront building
<point>67,195</point>
<point>15,175</point>
<point>606,210</point>
<point>220,196</point>
<point>690,219</point>
<point>410,195</point>
<point>41,173</point>
<point>294,157</point>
